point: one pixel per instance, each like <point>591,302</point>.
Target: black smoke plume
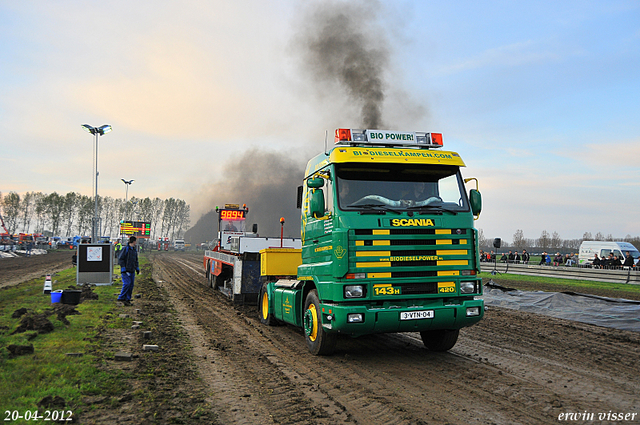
<point>266,182</point>
<point>340,43</point>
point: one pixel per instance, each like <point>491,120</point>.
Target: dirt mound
<point>49,402</point>
<point>19,350</point>
<point>34,322</point>
<point>64,310</point>
<point>87,293</point>
<point>19,313</point>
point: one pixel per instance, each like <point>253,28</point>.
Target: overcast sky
<point>541,99</point>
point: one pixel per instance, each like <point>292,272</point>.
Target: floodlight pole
<point>95,230</point>
<point>96,131</point>
<point>126,202</point>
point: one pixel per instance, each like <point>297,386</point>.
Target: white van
<point>178,245</point>
<point>588,249</point>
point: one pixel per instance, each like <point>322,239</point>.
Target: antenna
<point>326,134</point>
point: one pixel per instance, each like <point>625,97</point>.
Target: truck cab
<point>388,243</point>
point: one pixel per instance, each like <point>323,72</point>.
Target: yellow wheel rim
<point>314,317</point>
<point>265,306</point>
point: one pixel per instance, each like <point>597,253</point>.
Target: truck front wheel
<point>319,342</point>
<point>440,340</point>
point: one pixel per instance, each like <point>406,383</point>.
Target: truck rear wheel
<point>319,342</point>
<point>264,307</point>
<point>440,340</point>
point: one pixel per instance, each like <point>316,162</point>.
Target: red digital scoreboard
<point>139,229</point>
<point>232,214</point>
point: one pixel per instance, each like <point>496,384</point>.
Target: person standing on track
<point>129,267</point>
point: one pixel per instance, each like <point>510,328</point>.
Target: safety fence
<point>621,275</point>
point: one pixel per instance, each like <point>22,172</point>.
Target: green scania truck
<point>388,244</point>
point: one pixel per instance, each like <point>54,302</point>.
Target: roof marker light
<point>343,135</point>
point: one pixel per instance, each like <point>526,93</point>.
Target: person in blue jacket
<point>129,267</point>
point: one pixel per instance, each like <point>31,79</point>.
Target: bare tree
<point>571,243</point>
<point>158,211</point>
<point>519,240</point>
<point>146,209</point>
<point>544,241</point>
<point>587,236</point>
<point>556,240</point>
<point>69,211</point>
<point>26,211</point>
<point>55,206</point>
<point>72,213</point>
<point>482,241</point>
<point>183,218</point>
<point>85,213</point>
<point>41,211</point>
<point>598,237</point>
<point>11,211</point>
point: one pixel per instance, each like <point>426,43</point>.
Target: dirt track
<point>511,368</point>
<point>21,269</point>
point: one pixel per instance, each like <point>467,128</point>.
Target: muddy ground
<point>512,368</point>
<point>161,386</point>
<point>217,364</point>
<point>21,269</point>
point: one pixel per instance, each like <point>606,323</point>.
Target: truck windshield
<point>232,225</point>
<point>401,187</point>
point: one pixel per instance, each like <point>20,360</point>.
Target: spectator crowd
<point>610,262</point>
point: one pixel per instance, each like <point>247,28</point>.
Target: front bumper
<point>386,319</point>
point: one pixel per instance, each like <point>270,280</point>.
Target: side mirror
<point>497,242</point>
<point>299,199</point>
<point>254,229</point>
<point>475,199</point>
<point>315,183</point>
<point>316,203</point>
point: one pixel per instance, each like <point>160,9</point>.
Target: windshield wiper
<point>374,207</point>
<point>435,208</point>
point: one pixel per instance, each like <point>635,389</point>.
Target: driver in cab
<point>415,194</point>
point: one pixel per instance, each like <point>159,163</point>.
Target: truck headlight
<point>353,291</point>
<point>355,318</point>
<point>473,311</point>
<point>468,287</point>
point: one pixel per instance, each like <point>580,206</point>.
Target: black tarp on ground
<point>609,312</point>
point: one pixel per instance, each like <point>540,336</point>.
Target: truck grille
<point>419,288</point>
<point>409,254</point>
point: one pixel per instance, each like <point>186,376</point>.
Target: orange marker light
<point>436,139</point>
<point>343,135</point>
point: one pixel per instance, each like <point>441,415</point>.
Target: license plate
<point>415,315</point>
